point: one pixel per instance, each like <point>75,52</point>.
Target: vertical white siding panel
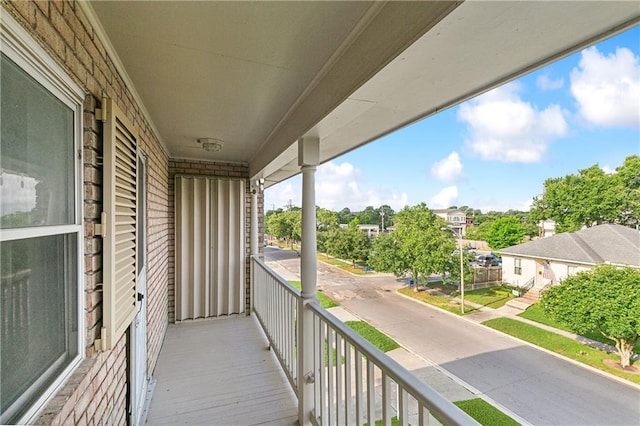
<point>210,247</point>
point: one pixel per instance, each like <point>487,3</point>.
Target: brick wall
<point>96,392</point>
<point>211,169</point>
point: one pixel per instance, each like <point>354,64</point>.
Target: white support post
<point>255,188</point>
<point>308,149</point>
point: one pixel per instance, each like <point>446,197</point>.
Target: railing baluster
<point>348,414</point>
<point>403,406</point>
<point>371,393</point>
<point>386,399</point>
<point>358,361</point>
<point>339,381</point>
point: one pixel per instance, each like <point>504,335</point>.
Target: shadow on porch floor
<point>219,372</point>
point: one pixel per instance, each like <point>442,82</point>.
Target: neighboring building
<point>550,260</point>
<point>546,228</point>
<point>370,230</point>
<point>457,220</point>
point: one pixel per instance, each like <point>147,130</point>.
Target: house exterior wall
<point>96,391</point>
<point>533,268</point>
<point>220,170</point>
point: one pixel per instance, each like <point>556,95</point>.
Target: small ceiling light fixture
<point>211,144</point>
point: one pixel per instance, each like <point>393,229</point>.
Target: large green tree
<point>348,243</point>
<point>420,246</point>
<point>504,232</point>
<point>606,299</point>
<point>592,197</point>
<point>285,225</point>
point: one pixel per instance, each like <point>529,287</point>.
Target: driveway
<point>539,387</point>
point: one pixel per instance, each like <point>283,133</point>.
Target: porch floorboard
<point>220,372</point>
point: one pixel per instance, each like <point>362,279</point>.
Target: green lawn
<point>324,300</point>
<point>485,413</point>
<point>373,335</point>
<point>437,301</point>
<point>536,313</point>
<point>492,297</point>
<point>561,345</point>
<point>346,266</point>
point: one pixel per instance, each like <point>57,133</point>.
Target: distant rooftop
<point>615,244</point>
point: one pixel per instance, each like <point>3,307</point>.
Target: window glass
<point>37,161</point>
<point>38,314</point>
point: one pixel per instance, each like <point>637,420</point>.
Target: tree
<point>345,216</point>
<point>285,225</point>
<point>605,299</point>
<point>420,246</point>
<point>592,197</point>
<point>369,216</point>
<point>349,244</point>
<point>505,232</point>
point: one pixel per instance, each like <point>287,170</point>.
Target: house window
<point>517,266</point>
<point>40,241</point>
<point>571,270</point>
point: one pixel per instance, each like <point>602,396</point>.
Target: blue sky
<point>494,152</point>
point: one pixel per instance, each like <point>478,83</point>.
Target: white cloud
<point>607,88</point>
<point>447,196</point>
<point>544,82</point>
<point>501,205</point>
<point>337,186</point>
<point>608,170</point>
<point>503,127</point>
<point>448,169</point>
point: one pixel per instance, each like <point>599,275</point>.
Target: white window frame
<point>517,266</point>
<point>24,51</point>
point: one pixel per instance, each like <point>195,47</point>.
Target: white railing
<point>275,304</point>
<point>353,381</point>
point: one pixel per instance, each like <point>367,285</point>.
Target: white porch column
<point>255,188</point>
<point>308,150</point>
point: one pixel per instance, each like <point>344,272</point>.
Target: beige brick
<point>61,25</point>
<point>47,32</point>
<point>26,10</point>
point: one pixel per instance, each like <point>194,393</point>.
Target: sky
<point>495,151</point>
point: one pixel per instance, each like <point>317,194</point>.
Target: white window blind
<point>119,222</point>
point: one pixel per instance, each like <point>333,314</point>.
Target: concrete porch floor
<point>219,372</point>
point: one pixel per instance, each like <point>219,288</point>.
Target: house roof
<point>610,243</point>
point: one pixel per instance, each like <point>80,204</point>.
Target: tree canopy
<point>420,246</point>
<point>592,197</point>
<point>606,299</point>
<point>504,232</point>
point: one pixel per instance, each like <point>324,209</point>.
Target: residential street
<point>539,387</point>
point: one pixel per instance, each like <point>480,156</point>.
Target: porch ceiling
<point>260,75</point>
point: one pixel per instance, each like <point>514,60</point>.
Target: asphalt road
<point>538,387</point>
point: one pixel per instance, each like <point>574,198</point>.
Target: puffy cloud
<point>337,186</point>
<point>505,128</point>
<point>607,88</point>
<point>448,169</point>
<point>544,82</point>
<point>445,198</point>
<point>608,170</point>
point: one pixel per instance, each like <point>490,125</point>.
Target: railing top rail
<point>276,277</point>
<point>441,407</point>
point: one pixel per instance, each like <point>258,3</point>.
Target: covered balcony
<point>279,88</point>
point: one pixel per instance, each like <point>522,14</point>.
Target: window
<point>40,241</point>
<point>517,266</point>
<point>571,270</point>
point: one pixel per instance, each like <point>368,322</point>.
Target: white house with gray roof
<point>550,260</point>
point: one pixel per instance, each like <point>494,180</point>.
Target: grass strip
<point>485,413</point>
<point>491,297</point>
<point>342,265</point>
<point>324,300</point>
<point>373,335</point>
<point>437,301</point>
<point>560,345</point>
<point>536,313</point>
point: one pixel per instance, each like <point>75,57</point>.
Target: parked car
<point>488,260</point>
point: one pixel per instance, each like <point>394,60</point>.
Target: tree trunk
<point>624,349</point>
